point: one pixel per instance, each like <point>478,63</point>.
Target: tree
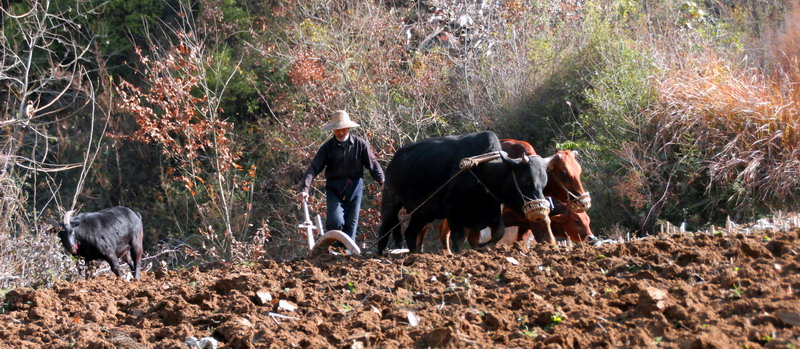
<point>178,109</point>
<point>49,73</point>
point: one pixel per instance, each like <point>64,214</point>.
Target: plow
<point>320,240</point>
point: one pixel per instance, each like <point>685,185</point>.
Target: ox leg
<point>457,236</point>
<point>124,255</point>
<point>539,232</point>
<point>421,237</point>
<point>498,231</point>
<point>113,262</point>
<point>548,232</point>
<point>525,235</point>
<point>509,236</point>
<point>136,254</point>
<point>412,231</point>
<point>543,233</point>
<point>444,236</point>
<point>473,237</point>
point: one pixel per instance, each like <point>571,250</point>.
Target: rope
<point>484,185</point>
<point>573,201</point>
<point>414,210</point>
<point>569,193</point>
<point>465,164</point>
<point>516,184</point>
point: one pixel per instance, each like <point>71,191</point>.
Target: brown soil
<point>683,290</point>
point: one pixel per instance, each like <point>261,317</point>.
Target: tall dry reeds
<point>741,123</point>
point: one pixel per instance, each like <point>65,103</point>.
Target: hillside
<point>683,290</point>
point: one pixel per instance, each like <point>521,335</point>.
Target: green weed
<point>555,319</point>
<point>530,333</point>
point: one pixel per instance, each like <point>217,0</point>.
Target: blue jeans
<point>344,204</point>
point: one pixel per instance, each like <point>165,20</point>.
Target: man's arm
<point>372,165</point>
<point>316,166</point>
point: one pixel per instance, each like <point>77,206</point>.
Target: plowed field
<point>686,290</point>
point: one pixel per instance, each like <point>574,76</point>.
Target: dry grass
<point>742,123</point>
<point>33,260</point>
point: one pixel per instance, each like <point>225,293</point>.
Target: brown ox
<point>565,224</point>
<point>563,185</point>
<point>563,174</point>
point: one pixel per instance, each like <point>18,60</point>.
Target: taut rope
<point>463,165</point>
<point>576,203</point>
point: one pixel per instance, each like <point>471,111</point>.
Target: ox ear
<point>577,155</point>
<point>549,161</point>
<point>559,218</point>
<point>53,223</point>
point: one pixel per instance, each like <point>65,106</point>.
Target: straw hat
<point>340,119</point>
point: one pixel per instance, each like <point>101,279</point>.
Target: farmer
<point>343,157</point>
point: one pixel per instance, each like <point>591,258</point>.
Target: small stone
<point>207,343</point>
<point>440,337</point>
<point>653,299</point>
<point>413,320</point>
<point>789,318</point>
<point>286,305</point>
<point>263,298</point>
<point>495,323</point>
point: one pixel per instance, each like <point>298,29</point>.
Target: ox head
<point>66,233</point>
<point>574,225</point>
<point>564,179</point>
<point>529,177</point>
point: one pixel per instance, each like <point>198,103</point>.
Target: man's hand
<point>378,197</point>
<point>302,197</point>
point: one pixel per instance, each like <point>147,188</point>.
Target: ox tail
<point>389,226</point>
<point>390,223</point>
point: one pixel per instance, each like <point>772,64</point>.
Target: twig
<point>276,316</point>
<point>601,326</point>
<point>158,254</point>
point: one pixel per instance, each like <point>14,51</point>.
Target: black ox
<point>111,235</point>
<point>426,179</point>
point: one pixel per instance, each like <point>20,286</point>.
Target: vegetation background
<point>202,115</point>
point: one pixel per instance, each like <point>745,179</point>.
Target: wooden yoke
<point>472,161</point>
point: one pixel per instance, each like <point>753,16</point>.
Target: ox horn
<point>67,217</point>
<point>515,161</point>
<point>548,160</point>
<point>52,222</point>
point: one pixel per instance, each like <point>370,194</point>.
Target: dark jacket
<point>343,160</point>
